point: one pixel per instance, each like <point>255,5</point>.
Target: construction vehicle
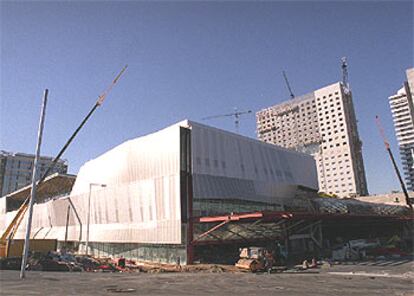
<point>8,235</point>
<point>255,259</point>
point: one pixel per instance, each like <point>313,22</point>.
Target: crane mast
<point>345,81</point>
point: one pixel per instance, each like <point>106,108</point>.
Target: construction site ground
<point>386,277</point>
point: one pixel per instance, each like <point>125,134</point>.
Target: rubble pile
<point>57,261</point>
<point>252,259</point>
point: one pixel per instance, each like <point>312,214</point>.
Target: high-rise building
<point>323,124</point>
<point>403,115</point>
<point>16,170</point>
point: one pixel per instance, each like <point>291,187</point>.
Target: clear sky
<point>192,60</point>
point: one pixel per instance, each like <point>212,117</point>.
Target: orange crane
<point>11,229</point>
<point>397,171</point>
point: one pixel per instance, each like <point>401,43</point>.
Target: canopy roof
<point>54,185</point>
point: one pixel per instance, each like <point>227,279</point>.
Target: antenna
<point>344,66</point>
<point>236,115</point>
<point>292,96</point>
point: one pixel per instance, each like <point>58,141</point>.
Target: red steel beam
<point>231,217</point>
<point>289,215</point>
<point>211,230</point>
<point>266,216</point>
<point>243,216</point>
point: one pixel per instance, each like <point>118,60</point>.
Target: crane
<point>292,96</point>
<point>387,147</point>
<point>236,114</point>
<point>344,66</point>
<point>11,229</point>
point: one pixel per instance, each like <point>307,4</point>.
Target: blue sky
<point>192,60</point>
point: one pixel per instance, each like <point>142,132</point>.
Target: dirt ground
<point>365,278</point>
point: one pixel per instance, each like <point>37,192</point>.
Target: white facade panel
<point>227,165</point>
<point>132,207</point>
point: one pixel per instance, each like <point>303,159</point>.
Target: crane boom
<point>217,116</point>
<point>13,226</point>
<point>292,96</point>
<point>236,115</point>
<point>397,171</point>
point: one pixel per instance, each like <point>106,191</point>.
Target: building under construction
<point>402,108</point>
<point>182,193</point>
<point>323,124</point>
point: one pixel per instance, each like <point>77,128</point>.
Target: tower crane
<point>387,147</point>
<point>292,96</point>
<point>236,114</point>
<point>344,66</point>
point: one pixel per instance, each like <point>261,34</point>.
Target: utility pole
<point>33,190</point>
<point>67,226</point>
<point>89,214</point>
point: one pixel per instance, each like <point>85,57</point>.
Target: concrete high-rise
<point>402,109</point>
<point>16,170</point>
<point>323,124</point>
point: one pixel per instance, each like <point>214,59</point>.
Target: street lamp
<point>89,213</point>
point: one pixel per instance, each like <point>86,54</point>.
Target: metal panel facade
<point>148,184</point>
<point>230,166</point>
<point>141,200</point>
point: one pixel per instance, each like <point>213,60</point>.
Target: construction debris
<point>56,261</point>
<point>361,249</point>
<point>252,259</point>
<point>11,263</point>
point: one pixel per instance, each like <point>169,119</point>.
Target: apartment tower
<point>402,109</point>
<point>16,170</point>
<point>323,124</point>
